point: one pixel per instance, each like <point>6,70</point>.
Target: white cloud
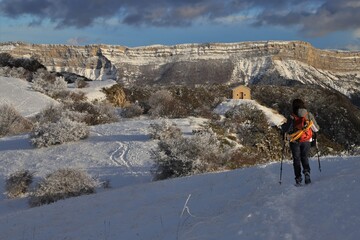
<point>232,19</point>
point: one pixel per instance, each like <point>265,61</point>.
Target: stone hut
<point>241,92</point>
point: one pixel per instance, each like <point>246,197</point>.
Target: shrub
<point>199,100</point>
<point>252,131</point>
<point>18,183</point>
<point>133,110</point>
<point>164,130</point>
<point>48,84</point>
<point>54,113</point>
<point>62,184</point>
<point>178,156</point>
<point>163,104</point>
<point>16,73</point>
<point>187,101</point>
<point>66,96</point>
<point>82,111</point>
<point>5,60</point>
<point>139,94</point>
<point>94,113</point>
<point>116,95</point>
<point>52,133</point>
<point>11,122</point>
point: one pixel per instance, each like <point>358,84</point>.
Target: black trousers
<point>300,153</point>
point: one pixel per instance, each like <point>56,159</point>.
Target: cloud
<point>313,17</point>
<point>232,19</point>
<point>331,16</point>
<point>83,13</point>
<point>64,13</point>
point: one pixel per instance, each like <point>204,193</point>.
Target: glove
<point>314,141</point>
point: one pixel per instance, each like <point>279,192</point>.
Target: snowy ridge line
<point>243,62</point>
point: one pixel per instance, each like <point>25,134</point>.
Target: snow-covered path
<point>241,204</point>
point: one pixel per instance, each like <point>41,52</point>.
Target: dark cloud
<point>331,16</point>
<point>315,17</point>
<point>64,13</point>
<point>82,13</point>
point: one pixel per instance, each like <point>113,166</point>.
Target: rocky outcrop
<point>85,61</point>
<point>271,62</point>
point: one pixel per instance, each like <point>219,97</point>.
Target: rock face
<point>247,63</point>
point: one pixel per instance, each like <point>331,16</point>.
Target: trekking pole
<point>317,150</point>
<point>282,159</point>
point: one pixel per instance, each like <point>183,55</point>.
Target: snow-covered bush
<point>52,133</point>
<point>250,127</point>
<point>48,83</point>
<point>164,130</point>
<point>16,73</point>
<point>62,184</point>
<point>178,156</point>
<point>163,104</point>
<point>94,113</point>
<point>133,110</point>
<point>249,123</point>
<point>54,113</point>
<point>11,122</point>
<point>18,183</point>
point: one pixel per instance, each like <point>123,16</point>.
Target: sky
<point>326,24</point>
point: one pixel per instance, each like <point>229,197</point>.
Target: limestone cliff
<point>271,62</point>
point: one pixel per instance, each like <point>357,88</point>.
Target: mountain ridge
<point>265,62</point>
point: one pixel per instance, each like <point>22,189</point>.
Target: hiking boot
<point>298,181</point>
<point>307,178</point>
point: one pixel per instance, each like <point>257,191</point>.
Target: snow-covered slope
<point>343,82</point>
<point>18,93</point>
<point>94,89</point>
<point>242,204</point>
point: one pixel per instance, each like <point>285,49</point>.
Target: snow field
<point>241,204</point>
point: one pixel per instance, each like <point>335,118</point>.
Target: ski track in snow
<point>118,156</point>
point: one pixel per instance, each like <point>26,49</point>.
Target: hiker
<point>299,131</point>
